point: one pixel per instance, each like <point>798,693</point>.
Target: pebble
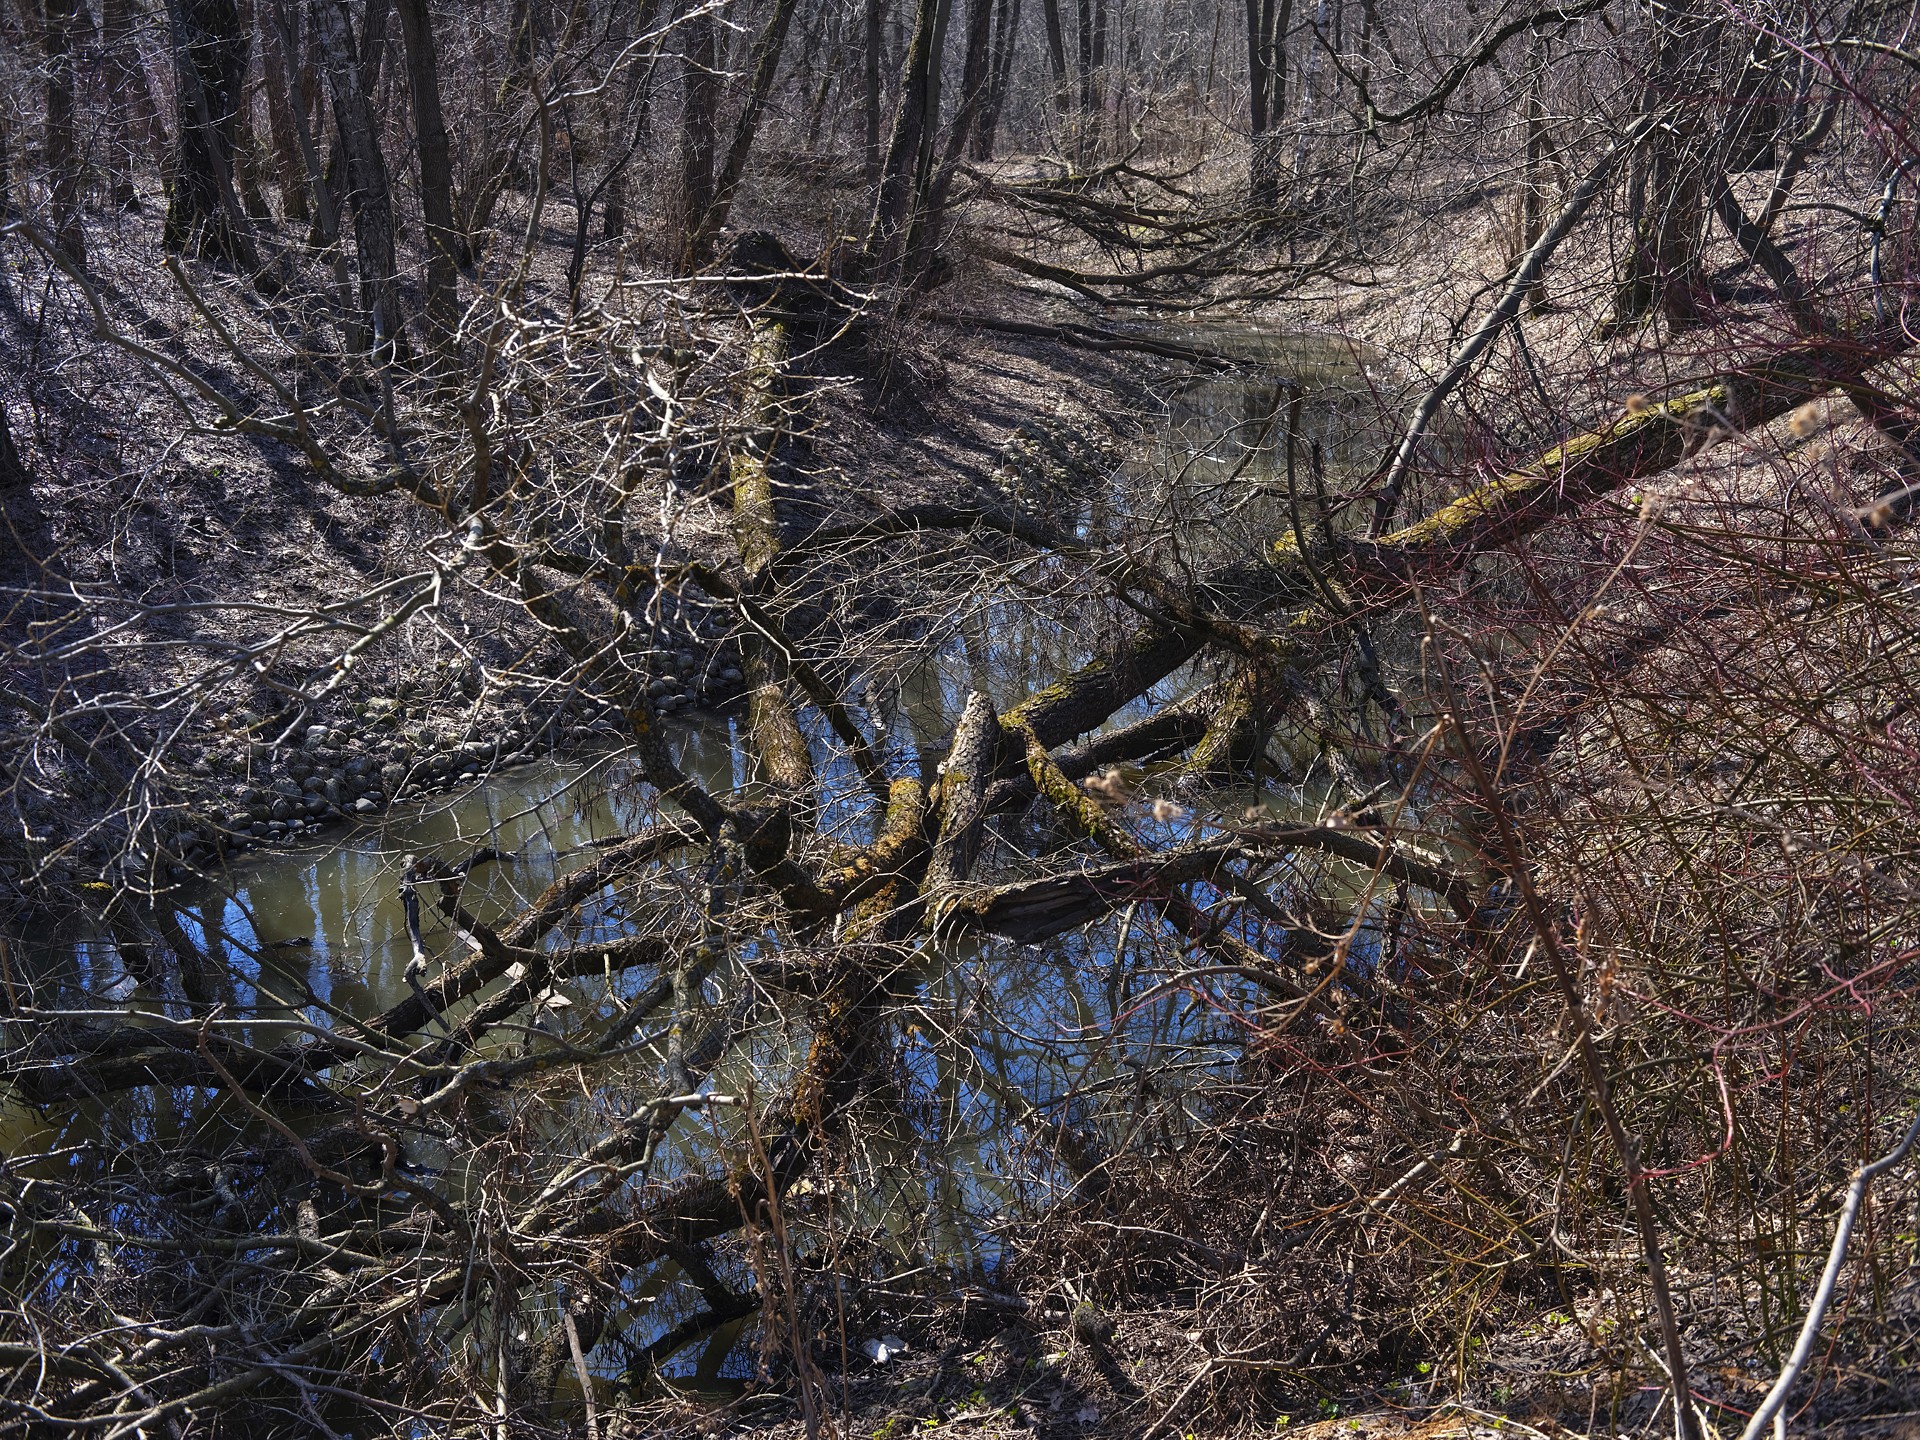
<point>364,806</point>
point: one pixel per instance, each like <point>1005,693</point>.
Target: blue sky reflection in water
<point>999,1047</point>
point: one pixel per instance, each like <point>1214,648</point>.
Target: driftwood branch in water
<point>963,789</point>
<point>1030,911</point>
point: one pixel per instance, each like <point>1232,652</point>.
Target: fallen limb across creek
<point>856,913</point>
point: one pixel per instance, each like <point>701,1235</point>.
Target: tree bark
<point>635,116</point>
<point>63,158</point>
<point>765,68</point>
<point>368,191</point>
<point>699,115</point>
<point>136,119</point>
<point>1533,220</point>
<point>870,64</point>
<point>929,217</point>
<point>13,473</point>
<point>1083,54</point>
<point>1266,97</point>
<point>1057,54</point>
<point>1000,76</point>
<point>246,146</point>
<point>903,172</point>
<point>204,218</point>
<point>277,72</point>
<point>436,172</point>
<point>1667,191</point>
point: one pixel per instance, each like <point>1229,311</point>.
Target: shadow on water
<point>1004,1050</point>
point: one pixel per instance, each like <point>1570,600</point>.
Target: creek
<point>997,1042</point>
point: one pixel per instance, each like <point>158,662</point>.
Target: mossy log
<point>756,528</point>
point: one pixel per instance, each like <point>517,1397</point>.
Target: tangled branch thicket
<point>1199,862</point>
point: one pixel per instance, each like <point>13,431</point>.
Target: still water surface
<point>1013,1036</point>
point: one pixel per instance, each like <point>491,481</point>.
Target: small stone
<point>391,775</point>
<point>282,808</point>
<point>364,806</point>
<point>467,777</point>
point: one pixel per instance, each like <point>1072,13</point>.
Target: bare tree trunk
<point>210,65</point>
<point>1667,205</point>
<point>373,46</point>
<point>1084,92</point>
<point>63,156</point>
<point>474,201</point>
<point>929,217</point>
<point>1756,117</point>
<point>136,119</point>
<point>637,116</point>
<point>368,191</point>
<point>870,66</point>
<point>1096,83</point>
<point>698,120</point>
<point>436,172</point>
<point>246,147</point>
<point>1000,76</point>
<point>276,73</point>
<point>904,171</point>
<point>1266,96</point>
<point>1533,183</point>
<point>621,127</point>
<point>280,15</point>
<point>1057,54</point>
<point>766,65</point>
